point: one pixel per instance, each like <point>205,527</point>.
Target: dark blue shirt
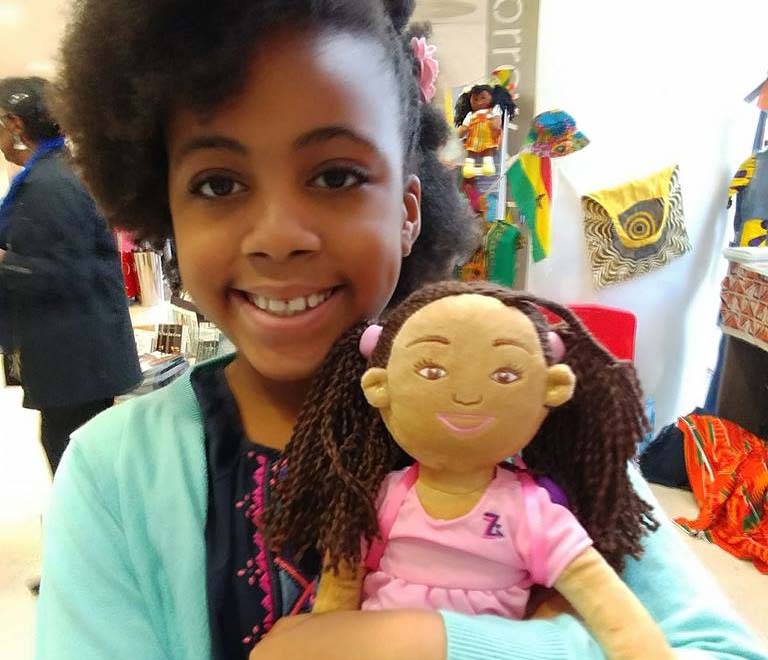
<point>249,588</point>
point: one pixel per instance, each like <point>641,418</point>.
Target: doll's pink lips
<point>465,424</point>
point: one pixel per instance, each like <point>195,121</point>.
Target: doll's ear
<point>376,387</point>
<point>561,383</point>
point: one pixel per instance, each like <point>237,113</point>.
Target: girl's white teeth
<point>297,305</point>
<point>289,307</point>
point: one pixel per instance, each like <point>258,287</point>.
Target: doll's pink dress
<point>482,563</point>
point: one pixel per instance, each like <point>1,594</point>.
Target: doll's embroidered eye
<point>430,371</point>
<point>505,376</point>
<point>217,186</point>
<point>340,178</point>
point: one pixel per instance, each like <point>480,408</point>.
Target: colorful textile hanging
<point>742,178</point>
<point>501,247</point>
<point>475,269</point>
<point>552,135</point>
<point>728,473</point>
<point>530,184</point>
<point>636,228</point>
<point>744,303</point>
<point>750,186</point>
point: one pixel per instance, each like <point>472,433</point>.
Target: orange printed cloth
<point>728,472</point>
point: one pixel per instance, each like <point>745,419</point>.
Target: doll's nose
<point>462,401</point>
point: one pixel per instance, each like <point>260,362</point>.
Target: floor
<point>25,489</point>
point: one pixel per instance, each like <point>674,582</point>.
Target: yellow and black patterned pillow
<point>635,228</point>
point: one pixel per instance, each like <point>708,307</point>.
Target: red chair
<point>616,329</point>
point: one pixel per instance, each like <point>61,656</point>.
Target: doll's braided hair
<point>341,450</point>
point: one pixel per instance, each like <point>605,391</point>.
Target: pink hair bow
<point>430,67</point>
<point>369,340</point>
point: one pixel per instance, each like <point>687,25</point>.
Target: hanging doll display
<point>460,377</point>
<point>553,134</point>
<point>479,115</point>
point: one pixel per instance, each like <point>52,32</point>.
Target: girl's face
<point>290,208</point>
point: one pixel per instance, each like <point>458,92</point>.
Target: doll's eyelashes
<point>505,376</point>
<point>430,371</point>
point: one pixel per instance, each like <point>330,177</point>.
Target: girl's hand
<point>390,635</point>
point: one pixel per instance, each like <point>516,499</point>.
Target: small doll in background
<point>479,114</point>
<point>460,377</point>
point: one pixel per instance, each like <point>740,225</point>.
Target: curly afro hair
<point>127,64</point>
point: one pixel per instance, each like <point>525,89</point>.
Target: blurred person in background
<point>63,309</point>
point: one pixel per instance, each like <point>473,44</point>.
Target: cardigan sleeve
<point>90,607</point>
<point>680,595</point>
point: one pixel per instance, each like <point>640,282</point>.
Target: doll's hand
<point>354,635</point>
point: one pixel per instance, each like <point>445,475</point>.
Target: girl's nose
<point>280,230</point>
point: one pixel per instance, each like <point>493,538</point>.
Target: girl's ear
<point>411,227</point>
<point>561,383</point>
<point>376,387</point>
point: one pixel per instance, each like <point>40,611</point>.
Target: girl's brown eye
<point>340,178</point>
<point>505,376</point>
<point>432,373</point>
<point>216,187</point>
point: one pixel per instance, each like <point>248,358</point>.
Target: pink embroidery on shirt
<point>257,568</point>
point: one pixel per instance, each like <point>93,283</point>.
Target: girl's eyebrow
<point>327,133</point>
<point>204,142</point>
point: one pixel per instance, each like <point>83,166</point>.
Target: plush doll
<point>463,376</point>
<point>478,116</point>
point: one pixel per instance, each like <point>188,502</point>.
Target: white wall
<point>653,83</point>
<point>461,49</point>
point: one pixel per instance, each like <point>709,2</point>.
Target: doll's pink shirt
<point>482,563</point>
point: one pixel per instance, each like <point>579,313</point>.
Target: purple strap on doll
<point>556,494</point>
<point>408,480</point>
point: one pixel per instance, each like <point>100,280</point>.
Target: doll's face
<point>480,101</point>
<point>467,384</point>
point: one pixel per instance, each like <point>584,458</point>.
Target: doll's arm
<point>339,591</point>
<point>614,615</point>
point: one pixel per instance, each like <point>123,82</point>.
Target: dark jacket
<point>64,287</point>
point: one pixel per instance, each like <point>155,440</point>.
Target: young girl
<point>284,145</point>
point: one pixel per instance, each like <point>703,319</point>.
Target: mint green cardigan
<point>124,559</point>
